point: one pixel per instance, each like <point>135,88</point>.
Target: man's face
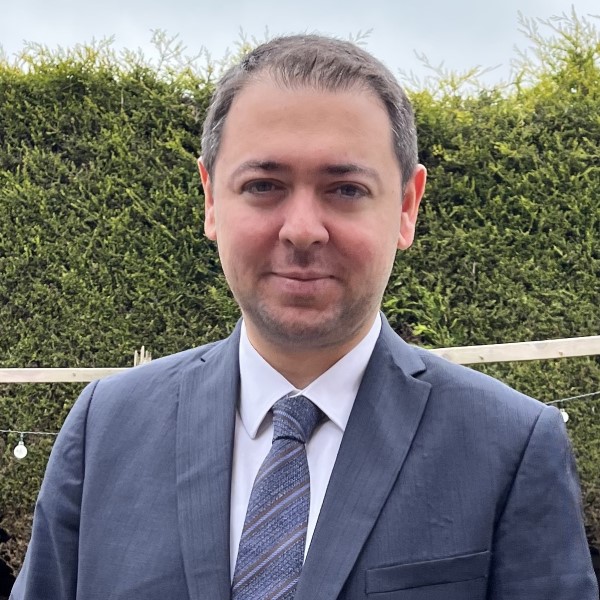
<point>307,209</point>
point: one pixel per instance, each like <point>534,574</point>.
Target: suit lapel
<point>382,425</point>
<point>205,429</point>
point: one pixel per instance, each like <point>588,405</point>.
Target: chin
<point>303,329</point>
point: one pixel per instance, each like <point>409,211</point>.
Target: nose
<point>303,224</point>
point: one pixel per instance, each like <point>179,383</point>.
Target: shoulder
<point>464,384</point>
<point>150,388</point>
<point>160,371</point>
<point>485,422</point>
<point>485,412</point>
<point>465,397</point>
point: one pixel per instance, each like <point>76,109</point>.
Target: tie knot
<point>295,417</point>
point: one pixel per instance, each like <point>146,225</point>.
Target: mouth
<point>302,284</point>
<point>303,275</point>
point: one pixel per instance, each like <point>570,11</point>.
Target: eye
<point>260,187</point>
<point>350,191</point>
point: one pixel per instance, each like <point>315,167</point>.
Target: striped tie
<point>271,549</point>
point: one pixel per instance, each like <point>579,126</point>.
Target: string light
<point>575,397</point>
<point>563,412</point>
<point>20,450</point>
<point>29,432</point>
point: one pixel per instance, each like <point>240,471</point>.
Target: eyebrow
<point>351,168</point>
<point>261,165</point>
<point>272,166</point>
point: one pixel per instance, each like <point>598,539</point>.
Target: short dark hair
<point>323,63</point>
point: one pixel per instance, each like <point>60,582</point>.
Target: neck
<point>301,366</point>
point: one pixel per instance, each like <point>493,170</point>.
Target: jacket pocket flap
<point>429,572</point>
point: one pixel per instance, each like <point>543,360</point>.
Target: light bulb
<point>20,450</point>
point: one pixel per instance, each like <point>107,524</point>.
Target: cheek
<point>243,238</point>
<point>371,248</point>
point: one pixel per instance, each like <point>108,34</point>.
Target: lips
<point>302,283</point>
<point>303,275</point>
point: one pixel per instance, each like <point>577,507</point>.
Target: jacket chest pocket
<point>457,577</point>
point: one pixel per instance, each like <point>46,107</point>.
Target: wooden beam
<point>464,355</point>
<point>522,351</point>
<point>55,375</point>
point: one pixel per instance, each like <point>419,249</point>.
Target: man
<point>411,478</point>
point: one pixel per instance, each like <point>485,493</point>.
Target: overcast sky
<point>462,33</point>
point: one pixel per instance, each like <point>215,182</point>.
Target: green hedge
<point>101,246</point>
<point>100,239</point>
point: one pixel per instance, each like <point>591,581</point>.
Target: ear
<point>210,230</point>
<point>411,199</point>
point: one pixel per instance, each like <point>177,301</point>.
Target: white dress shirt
<point>261,386</point>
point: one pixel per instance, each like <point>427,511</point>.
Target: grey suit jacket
<point>448,485</point>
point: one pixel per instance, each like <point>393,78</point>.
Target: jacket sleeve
<point>50,566</point>
<point>540,549</point>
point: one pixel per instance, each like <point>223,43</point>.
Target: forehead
<point>270,121</point>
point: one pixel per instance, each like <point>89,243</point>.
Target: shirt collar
<point>333,392</point>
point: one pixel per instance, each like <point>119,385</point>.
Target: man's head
<point>311,184</point>
<point>320,63</point>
